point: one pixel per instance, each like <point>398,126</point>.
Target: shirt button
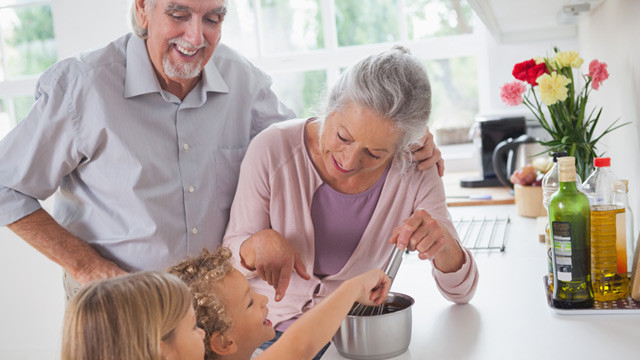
<point>194,231</point>
<point>191,189</point>
<point>185,146</point>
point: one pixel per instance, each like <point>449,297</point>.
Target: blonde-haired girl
<point>147,315</point>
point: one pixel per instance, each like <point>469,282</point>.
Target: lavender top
<point>339,220</point>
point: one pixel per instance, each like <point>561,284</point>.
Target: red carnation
<point>529,71</point>
<point>535,72</point>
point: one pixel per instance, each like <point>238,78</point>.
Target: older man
<point>142,139</point>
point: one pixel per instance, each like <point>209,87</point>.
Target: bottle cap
<point>558,154</point>
<point>602,162</point>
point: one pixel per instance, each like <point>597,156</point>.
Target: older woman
<point>146,316</point>
<point>328,196</point>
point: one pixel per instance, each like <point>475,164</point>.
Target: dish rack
<point>483,233</point>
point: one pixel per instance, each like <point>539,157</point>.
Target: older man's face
<point>182,36</point>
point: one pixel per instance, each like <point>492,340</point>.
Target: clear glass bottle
<point>631,241</point>
<point>607,197</point>
<point>570,237</point>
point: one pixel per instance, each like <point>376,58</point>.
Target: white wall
<point>84,24</point>
<point>32,301</point>
<point>610,34</point>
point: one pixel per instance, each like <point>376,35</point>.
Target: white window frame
<point>333,57</point>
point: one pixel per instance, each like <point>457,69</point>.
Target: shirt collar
<point>141,79</point>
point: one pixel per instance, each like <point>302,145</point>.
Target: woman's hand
<point>273,258</point>
<point>426,235</point>
<point>374,287</point>
<point>426,154</point>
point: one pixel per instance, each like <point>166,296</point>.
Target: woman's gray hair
<point>394,84</point>
<point>137,29</point>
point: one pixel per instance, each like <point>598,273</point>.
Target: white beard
<point>180,70</point>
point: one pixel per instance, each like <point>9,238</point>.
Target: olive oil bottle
<point>569,229</point>
<point>607,196</point>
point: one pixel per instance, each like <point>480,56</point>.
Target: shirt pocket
<point>227,173</point>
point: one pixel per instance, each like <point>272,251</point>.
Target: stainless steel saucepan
<point>372,333</point>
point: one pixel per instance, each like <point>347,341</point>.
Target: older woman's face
<point>356,141</point>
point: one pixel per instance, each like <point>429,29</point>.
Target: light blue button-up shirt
<point>143,177</point>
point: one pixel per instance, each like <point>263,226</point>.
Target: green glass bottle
<point>569,231</point>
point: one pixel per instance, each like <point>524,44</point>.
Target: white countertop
<point>508,318</point>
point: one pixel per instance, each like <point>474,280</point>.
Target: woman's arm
<point>430,231</point>
<point>250,211</point>
<point>307,335</point>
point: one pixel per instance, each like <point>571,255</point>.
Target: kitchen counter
<point>508,318</point>
<point>459,196</point>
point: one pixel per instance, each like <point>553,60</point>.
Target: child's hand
<point>374,287</point>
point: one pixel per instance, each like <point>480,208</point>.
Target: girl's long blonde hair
<point>125,317</point>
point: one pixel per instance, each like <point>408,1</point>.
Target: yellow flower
<point>553,88</point>
<point>538,59</point>
<point>567,58</point>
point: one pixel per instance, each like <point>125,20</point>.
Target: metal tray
<point>620,307</point>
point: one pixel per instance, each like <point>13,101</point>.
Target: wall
<point>84,24</point>
<point>610,34</point>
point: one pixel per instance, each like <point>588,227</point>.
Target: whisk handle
<point>393,264</point>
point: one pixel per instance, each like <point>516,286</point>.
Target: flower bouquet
<point>567,120</point>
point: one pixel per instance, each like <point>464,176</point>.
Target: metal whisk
<point>391,269</point>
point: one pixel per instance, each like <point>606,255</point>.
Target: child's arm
<point>307,335</point>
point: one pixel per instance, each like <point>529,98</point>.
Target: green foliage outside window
<point>30,41</point>
<point>360,22</point>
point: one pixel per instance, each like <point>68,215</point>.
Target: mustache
<point>187,45</point>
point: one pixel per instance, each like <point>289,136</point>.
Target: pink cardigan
<point>275,189</point>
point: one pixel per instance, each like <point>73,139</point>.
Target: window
<point>27,47</point>
<point>305,44</point>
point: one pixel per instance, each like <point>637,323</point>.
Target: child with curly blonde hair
<point>234,317</point>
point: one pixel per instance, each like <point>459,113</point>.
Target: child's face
<point>248,310</point>
<point>186,340</point>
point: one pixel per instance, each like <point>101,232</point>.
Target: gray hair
<point>394,84</point>
<point>137,29</point>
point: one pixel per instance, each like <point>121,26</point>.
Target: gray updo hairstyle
<point>394,84</point>
<point>139,31</point>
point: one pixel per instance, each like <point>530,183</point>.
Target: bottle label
<point>562,250</point>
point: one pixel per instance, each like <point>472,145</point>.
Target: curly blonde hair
<point>203,274</point>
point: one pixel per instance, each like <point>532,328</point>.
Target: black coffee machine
<point>487,133</point>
